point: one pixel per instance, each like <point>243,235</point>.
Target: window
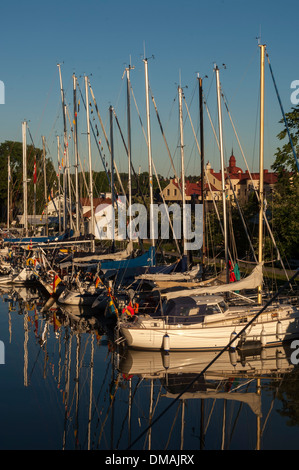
<point>174,192</point>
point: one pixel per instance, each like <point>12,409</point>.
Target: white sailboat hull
<point>75,297</point>
<point>25,276</point>
<point>150,333</point>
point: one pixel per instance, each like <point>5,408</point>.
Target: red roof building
<point>237,183</point>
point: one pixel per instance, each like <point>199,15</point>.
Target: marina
<point>66,386</point>
<point>149,261</point>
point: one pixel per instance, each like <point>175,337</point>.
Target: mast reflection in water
<point>66,385</point>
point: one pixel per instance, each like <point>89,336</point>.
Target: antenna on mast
<point>259,37</point>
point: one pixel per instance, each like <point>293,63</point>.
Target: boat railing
<point>199,319</point>
<point>172,319</point>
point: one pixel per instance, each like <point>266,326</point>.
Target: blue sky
<point>100,38</point>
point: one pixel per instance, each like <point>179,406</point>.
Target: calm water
<point>64,385</point>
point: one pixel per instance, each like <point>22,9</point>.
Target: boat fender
<point>233,357</point>
<point>166,342</point>
<point>232,336</point>
<point>30,262</point>
<point>263,357</point>
<point>263,338</point>
<point>243,338</point>
<point>166,360</point>
<point>278,359</point>
<point>279,330</point>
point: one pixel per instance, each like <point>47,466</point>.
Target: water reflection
<point>232,378</point>
<point>98,395</point>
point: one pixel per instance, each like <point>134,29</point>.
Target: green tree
<point>284,161</point>
<point>285,207</point>
<point>15,151</point>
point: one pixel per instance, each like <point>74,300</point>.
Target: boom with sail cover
<point>250,282</point>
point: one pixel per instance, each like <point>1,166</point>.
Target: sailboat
<point>207,322</point>
<point>189,320</point>
<point>200,319</point>
<point>82,292</point>
<point>111,264</point>
<point>21,272</point>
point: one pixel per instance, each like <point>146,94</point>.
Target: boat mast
<point>106,138</point>
<point>34,187</point>
<point>59,189</point>
<point>8,189</point>
<point>149,147</point>
<point>45,184</point>
<point>69,181</point>
<point>203,250</point>
<point>25,202</point>
<point>76,154</point>
<point>261,184</point>
<point>182,167</point>
<point>222,173</point>
<point>112,176</point>
<point>64,149</point>
<point>90,165</point>
<point>128,69</point>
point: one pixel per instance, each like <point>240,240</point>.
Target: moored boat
<point>207,323</point>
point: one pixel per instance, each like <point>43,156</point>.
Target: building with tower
<point>238,184</point>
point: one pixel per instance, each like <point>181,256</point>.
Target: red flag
<point>232,276</point>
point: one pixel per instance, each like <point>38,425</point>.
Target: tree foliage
<point>285,209</point>
<point>284,161</point>
<point>14,150</point>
